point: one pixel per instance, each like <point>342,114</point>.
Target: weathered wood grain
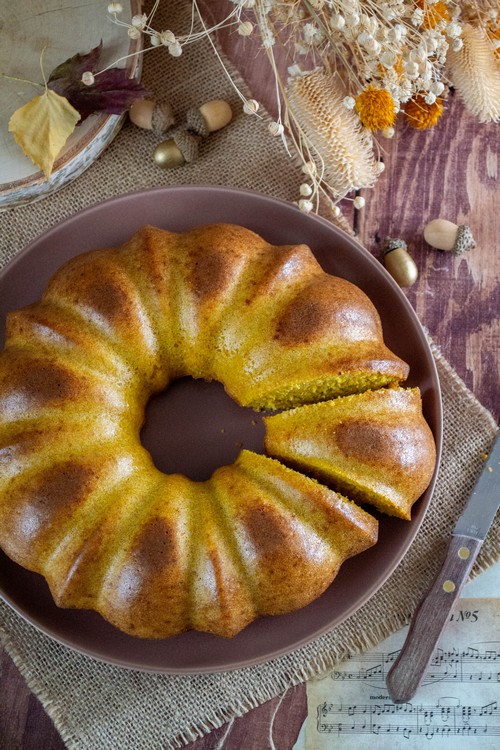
<point>273,726</point>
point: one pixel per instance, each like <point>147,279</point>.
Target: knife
<point>433,612</point>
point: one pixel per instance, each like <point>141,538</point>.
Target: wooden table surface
<point>450,172</point>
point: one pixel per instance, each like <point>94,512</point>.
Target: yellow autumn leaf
<point>42,126</point>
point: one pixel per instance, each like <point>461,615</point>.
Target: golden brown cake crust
<point>374,446</point>
<point>80,499</point>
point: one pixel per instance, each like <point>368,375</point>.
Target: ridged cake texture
<point>375,446</point>
<point>81,501</point>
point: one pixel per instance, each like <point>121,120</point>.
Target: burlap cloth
<point>98,706</point>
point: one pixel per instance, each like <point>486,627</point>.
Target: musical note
<point>425,720</point>
<point>457,706</point>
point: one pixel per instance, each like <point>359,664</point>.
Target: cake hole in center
<point>193,427</point>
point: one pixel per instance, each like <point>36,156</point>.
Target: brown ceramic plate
<point>194,427</point>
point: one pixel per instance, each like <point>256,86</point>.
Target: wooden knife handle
<point>430,619</point>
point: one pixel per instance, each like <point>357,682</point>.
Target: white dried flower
<point>380,167</point>
<point>388,132</point>
<point>437,87</point>
<point>139,22</point>
<point>251,107</point>
<point>167,37</point>
<point>349,102</point>
<point>88,78</point>
<point>311,33</point>
<point>430,98</point>
<point>115,8</point>
<point>155,40</point>
<point>373,46</point>
<point>335,212</point>
<point>309,168</point>
<point>388,58</point>
<point>245,28</point>
<point>133,32</point>
<point>306,190</point>
<point>306,206</point>
<point>276,128</point>
<point>457,45</point>
<point>337,21</point>
<point>394,34</point>
<point>294,70</point>
<point>417,17</point>
<point>364,37</point>
<point>453,30</point>
<point>359,201</point>
<point>352,20</point>
<point>175,49</point>
<point>411,69</point>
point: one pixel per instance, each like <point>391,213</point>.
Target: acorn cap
<point>464,241</point>
<point>162,117</point>
<point>392,244</point>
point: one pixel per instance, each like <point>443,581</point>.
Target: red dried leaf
<point>112,91</point>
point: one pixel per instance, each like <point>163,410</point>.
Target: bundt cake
<point>81,501</point>
<point>375,446</point>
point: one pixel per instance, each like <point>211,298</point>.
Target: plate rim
<point>438,436</point>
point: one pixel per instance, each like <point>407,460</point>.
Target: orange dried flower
<point>398,68</point>
<point>375,108</point>
<point>494,35</point>
<point>434,13</point>
<point>421,115</point>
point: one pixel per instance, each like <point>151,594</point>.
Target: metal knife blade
<point>484,500</point>
<point>433,612</point>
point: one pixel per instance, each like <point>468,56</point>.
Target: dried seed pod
<point>445,235</point>
<point>399,262</point>
<point>151,115</point>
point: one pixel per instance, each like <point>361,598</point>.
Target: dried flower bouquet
<point>354,69</point>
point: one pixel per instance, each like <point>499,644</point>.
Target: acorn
<point>151,115</point>
<point>211,116</point>
<point>182,146</point>
<point>445,235</point>
<point>399,262</point>
<point>168,155</point>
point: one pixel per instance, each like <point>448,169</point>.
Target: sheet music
<point>457,705</point>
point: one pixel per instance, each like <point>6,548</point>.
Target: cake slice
<point>375,447</point>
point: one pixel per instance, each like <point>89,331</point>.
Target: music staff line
<point>409,720</point>
<point>446,666</point>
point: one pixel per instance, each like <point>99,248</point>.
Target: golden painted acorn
<point>399,263</point>
<point>168,155</point>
